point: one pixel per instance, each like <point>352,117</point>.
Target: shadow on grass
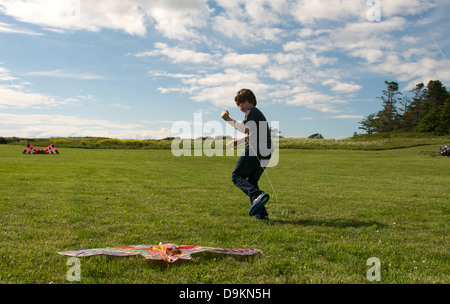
<point>195,258</point>
<point>336,223</point>
<point>201,256</point>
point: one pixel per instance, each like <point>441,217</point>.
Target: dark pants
<point>246,176</point>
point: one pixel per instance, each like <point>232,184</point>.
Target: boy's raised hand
<point>225,115</point>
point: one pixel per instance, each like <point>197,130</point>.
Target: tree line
<point>426,111</point>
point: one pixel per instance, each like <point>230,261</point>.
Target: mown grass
<point>330,212</point>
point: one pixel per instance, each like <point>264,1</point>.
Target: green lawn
<point>332,211</point>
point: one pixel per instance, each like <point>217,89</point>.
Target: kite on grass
<point>166,252</point>
<point>30,149</point>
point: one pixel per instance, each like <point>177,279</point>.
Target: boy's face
<point>245,106</point>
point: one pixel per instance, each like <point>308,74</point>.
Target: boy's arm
<point>237,125</point>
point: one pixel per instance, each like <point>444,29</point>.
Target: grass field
<point>332,211</point>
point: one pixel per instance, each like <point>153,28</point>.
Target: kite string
<point>273,189</point>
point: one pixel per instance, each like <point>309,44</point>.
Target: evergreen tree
<point>429,122</point>
<point>435,95</point>
<point>434,99</point>
<point>387,118</point>
<point>368,123</point>
<point>444,123</point>
<point>414,110</point>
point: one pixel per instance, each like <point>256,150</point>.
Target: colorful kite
<point>30,149</point>
<point>51,150</point>
<point>166,252</point>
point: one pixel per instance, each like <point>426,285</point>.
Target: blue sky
<point>130,69</point>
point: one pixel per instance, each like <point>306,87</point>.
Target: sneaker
<point>260,201</point>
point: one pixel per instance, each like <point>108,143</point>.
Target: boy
<point>258,149</point>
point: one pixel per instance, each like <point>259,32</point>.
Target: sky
<point>134,69</point>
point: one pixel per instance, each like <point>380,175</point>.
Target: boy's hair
<point>245,95</point>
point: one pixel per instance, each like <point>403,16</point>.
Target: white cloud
<point>66,74</point>
<point>280,73</point>
<point>318,60</point>
<point>15,95</point>
<point>365,29</point>
<point>338,86</point>
<point>119,106</point>
<point>54,30</point>
<point>369,54</point>
<point>175,19</point>
<point>177,54</point>
<point>311,11</point>
<point>18,99</point>
<point>13,29</point>
<point>219,88</point>
<point>263,12</point>
<point>346,116</point>
<point>229,76</point>
<point>68,14</point>
<point>250,60</point>
<point>178,19</point>
<point>25,125</point>
<point>375,36</point>
<point>43,119</point>
<point>170,75</point>
<point>294,46</point>
<point>304,96</point>
<point>233,28</point>
<point>251,20</point>
<point>413,72</point>
<point>400,7</point>
<point>5,75</point>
